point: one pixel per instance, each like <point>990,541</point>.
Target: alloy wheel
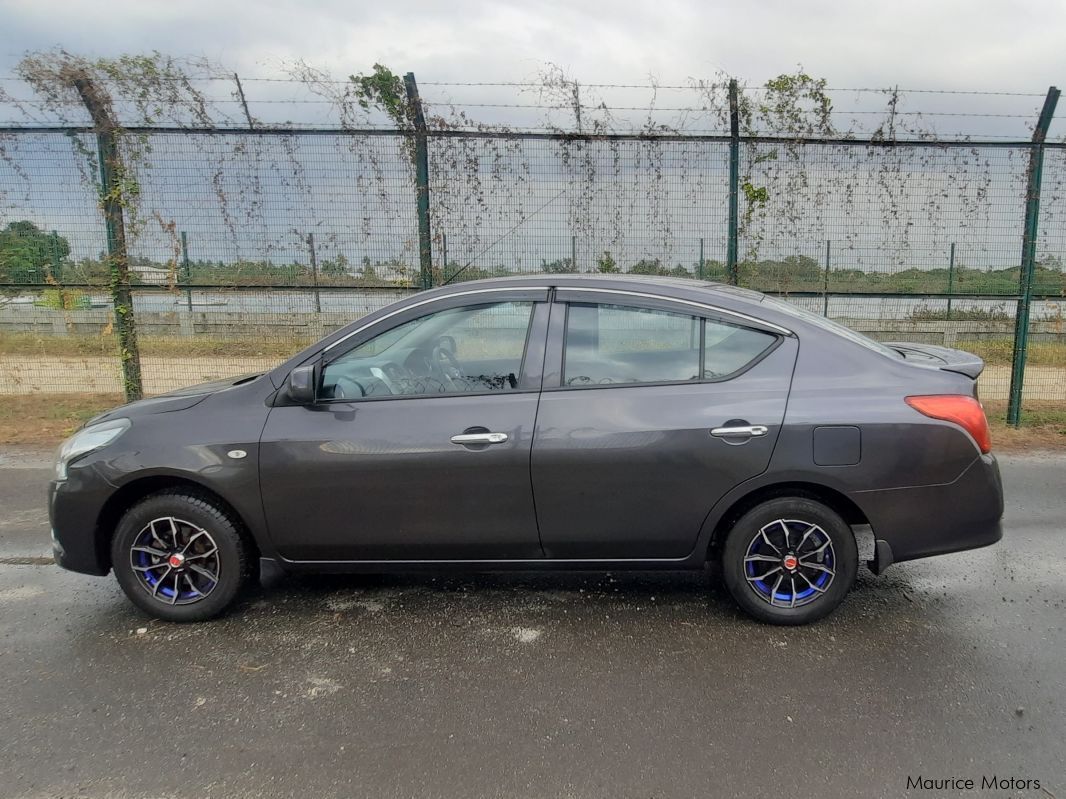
<point>175,561</point>
<point>790,563</point>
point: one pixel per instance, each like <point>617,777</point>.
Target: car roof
<point>667,286</point>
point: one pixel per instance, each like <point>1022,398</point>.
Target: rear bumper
<point>920,522</point>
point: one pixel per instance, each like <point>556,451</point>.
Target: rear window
<point>608,344</point>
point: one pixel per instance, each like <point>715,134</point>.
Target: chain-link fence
<point>244,246</point>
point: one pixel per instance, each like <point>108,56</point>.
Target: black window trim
<point>542,293</point>
<point>705,309</point>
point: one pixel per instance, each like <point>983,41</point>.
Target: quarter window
<point>729,348</point>
<point>459,350</point>
<point>614,344</point>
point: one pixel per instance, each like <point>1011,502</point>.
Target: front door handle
<point>479,438</point>
<point>740,430</point>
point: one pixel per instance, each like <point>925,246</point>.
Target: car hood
<point>177,400</point>
<point>203,389</point>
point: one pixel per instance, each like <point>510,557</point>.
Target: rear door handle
<point>479,438</point>
<point>741,430</point>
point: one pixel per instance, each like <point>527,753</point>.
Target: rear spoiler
<point>946,358</point>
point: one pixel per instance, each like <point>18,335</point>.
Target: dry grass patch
<point>175,346</point>
<point>46,419</point>
<point>1043,427</point>
<point>1001,351</point>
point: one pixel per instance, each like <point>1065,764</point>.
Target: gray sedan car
<point>551,422</point>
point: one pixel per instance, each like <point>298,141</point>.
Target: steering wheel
<point>443,361</point>
<point>346,388</point>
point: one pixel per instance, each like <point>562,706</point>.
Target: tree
<point>648,267</point>
<point>335,267</point>
<point>561,266</point>
<point>802,267</point>
<point>606,263</point>
<point>1050,262</point>
<point>27,253</point>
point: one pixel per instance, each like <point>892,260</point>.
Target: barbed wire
<point>861,117</point>
<point>697,87</point>
<point>695,109</point>
<point>649,86</point>
<point>566,107</point>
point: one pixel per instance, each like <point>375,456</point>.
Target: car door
<point>651,411</point>
<point>417,446</point>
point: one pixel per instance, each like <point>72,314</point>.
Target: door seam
<point>533,434</point>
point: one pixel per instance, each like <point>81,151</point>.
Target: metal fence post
<point>951,278</point>
<point>186,270</point>
<point>111,198</point>
<point>732,271</point>
<point>1028,266</point>
<point>699,270</point>
<point>314,271</point>
<point>444,257</point>
<point>421,134</point>
<point>825,284</point>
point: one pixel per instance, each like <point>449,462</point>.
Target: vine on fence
<point>505,203</point>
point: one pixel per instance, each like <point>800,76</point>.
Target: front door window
<point>475,348</point>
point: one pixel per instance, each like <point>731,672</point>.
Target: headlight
<point>86,440</point>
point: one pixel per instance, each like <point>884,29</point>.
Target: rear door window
<point>617,344</point>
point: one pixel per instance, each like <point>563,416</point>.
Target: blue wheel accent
<point>790,563</point>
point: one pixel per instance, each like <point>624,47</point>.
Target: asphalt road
<point>621,685</point>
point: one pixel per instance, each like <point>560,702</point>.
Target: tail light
<point>960,409</point>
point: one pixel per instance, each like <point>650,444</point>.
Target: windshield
<point>829,324</point>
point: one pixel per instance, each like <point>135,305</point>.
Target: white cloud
<point>984,45</point>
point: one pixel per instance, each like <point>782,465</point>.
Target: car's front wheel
<point>790,560</point>
<point>179,556</point>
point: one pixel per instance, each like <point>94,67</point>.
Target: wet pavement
<point>596,685</point>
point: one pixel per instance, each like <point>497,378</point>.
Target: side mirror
<point>302,384</point>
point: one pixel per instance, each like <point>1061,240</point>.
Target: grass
<point>46,419</point>
<point>1043,427</point>
<point>1000,352</point>
<point>169,346</point>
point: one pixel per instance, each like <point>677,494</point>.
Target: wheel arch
<point>135,490</point>
<point>830,497</point>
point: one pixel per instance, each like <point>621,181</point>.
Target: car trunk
<point>946,358</point>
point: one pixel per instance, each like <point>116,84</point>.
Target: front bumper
<point>923,521</point>
<point>74,506</point>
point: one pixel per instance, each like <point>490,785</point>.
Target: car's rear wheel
<point>179,556</point>
<point>790,560</point>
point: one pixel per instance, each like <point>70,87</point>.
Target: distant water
<point>357,302</point>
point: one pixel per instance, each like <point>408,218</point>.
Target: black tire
<point>232,557</point>
<point>786,519</point>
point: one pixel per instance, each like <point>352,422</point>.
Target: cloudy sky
<point>946,44</point>
<point>972,45</point>
<point>1009,52</point>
